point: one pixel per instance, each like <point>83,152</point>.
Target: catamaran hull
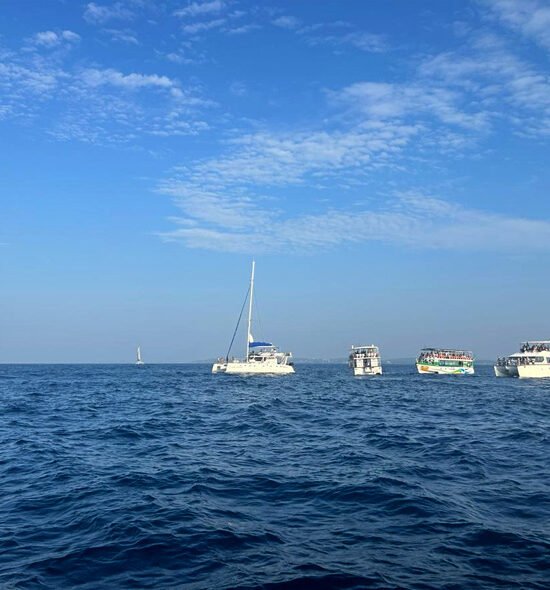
<point>524,371</point>
<point>252,369</point>
<point>439,370</point>
<point>509,371</point>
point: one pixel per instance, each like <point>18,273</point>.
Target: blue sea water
<point>165,476</point>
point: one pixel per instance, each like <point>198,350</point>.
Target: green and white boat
<point>445,361</point>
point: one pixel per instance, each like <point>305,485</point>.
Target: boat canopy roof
<point>256,344</point>
<point>353,347</point>
<point>536,342</point>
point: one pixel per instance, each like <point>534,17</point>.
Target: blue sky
<point>385,162</point>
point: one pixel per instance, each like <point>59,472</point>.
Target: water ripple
<point>168,477</point>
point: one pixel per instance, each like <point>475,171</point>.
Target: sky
<point>386,163</point>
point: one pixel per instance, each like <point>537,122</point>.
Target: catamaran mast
<point>248,334</point>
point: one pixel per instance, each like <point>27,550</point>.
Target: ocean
<point>165,477</point>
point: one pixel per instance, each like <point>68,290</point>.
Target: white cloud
<point>95,77</point>
<point>52,39</point>
<point>269,159</point>
<point>369,42</point>
<point>243,29</point>
<point>122,36</point>
<point>47,38</point>
<point>70,36</point>
<point>96,105</point>
<point>100,14</point>
<point>286,22</point>
<point>221,196</point>
<point>26,84</point>
<point>530,18</point>
<point>201,8</point>
<point>227,203</point>
<point>499,82</point>
<point>419,222</point>
<point>381,101</point>
<point>201,27</point>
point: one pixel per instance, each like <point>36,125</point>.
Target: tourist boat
<point>139,361</point>
<point>261,357</point>
<point>532,361</point>
<point>445,361</point>
<point>365,360</point>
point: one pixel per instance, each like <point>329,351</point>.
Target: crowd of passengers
<point>518,360</point>
<point>446,355</point>
<point>538,347</point>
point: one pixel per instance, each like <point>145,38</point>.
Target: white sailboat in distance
<point>139,361</point>
<point>261,357</point>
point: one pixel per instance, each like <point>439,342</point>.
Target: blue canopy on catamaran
<point>252,344</point>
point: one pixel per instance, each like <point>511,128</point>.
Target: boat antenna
<point>237,326</point>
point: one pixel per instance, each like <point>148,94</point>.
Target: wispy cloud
<point>417,221</point>
<point>203,26</point>
<point>54,39</point>
<point>385,101</point>
<point>275,160</point>
<point>530,18</point>
<point>195,9</point>
<point>100,14</point>
<point>97,105</point>
<point>286,22</point>
<point>364,41</point>
<point>242,29</point>
<point>222,199</point>
<point>26,83</point>
<point>95,77</point>
<point>122,36</point>
<point>497,82</point>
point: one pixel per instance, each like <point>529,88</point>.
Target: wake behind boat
<point>532,361</point>
<point>261,357</point>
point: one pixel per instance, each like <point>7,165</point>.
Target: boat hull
<point>524,371</point>
<point>533,371</point>
<point>240,368</point>
<point>425,369</point>
<point>505,371</point>
<point>359,371</point>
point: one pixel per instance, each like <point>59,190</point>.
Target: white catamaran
<point>532,361</point>
<point>365,360</point>
<point>139,361</point>
<point>261,357</point>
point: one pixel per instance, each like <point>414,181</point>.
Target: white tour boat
<point>365,360</point>
<point>139,361</point>
<point>261,357</point>
<point>532,361</point>
<point>445,361</point>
